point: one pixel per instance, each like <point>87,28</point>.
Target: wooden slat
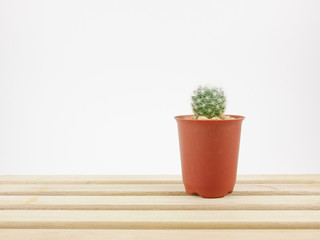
<point>67,207</point>
<point>103,219</point>
<point>149,189</point>
<point>277,178</point>
<point>100,234</point>
<point>90,179</point>
<point>161,203</point>
<point>93,189</point>
<point>149,179</point>
<point>276,189</point>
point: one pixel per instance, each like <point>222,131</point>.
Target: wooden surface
<point>156,207</point>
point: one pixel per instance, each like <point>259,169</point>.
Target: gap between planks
<point>149,189</point>
<point>159,203</point>
<point>100,234</point>
<point>102,219</point>
<point>148,179</point>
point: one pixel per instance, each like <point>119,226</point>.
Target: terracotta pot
<point>209,154</point>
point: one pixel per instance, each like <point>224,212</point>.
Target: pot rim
<point>185,118</point>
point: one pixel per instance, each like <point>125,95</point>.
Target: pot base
<point>208,195</point>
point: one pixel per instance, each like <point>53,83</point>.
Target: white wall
<point>91,87</point>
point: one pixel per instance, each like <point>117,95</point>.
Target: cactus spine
<point>208,102</point>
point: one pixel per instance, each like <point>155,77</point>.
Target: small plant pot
<point>209,154</point>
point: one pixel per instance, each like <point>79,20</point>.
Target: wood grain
<point>157,207</point>
<point>149,189</point>
<point>149,179</point>
<point>160,203</point>
<point>103,219</point>
<point>101,234</point>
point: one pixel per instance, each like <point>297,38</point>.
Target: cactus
<point>208,102</point>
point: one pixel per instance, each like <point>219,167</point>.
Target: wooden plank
<point>277,178</point>
<point>104,219</point>
<point>93,189</point>
<point>160,203</point>
<point>148,179</point>
<point>149,189</point>
<point>100,234</point>
<point>276,189</point>
<point>90,179</point>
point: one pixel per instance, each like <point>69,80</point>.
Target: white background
<point>91,87</point>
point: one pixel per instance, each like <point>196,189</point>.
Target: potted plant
<point>209,144</point>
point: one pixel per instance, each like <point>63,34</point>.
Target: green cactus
<point>208,102</point>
